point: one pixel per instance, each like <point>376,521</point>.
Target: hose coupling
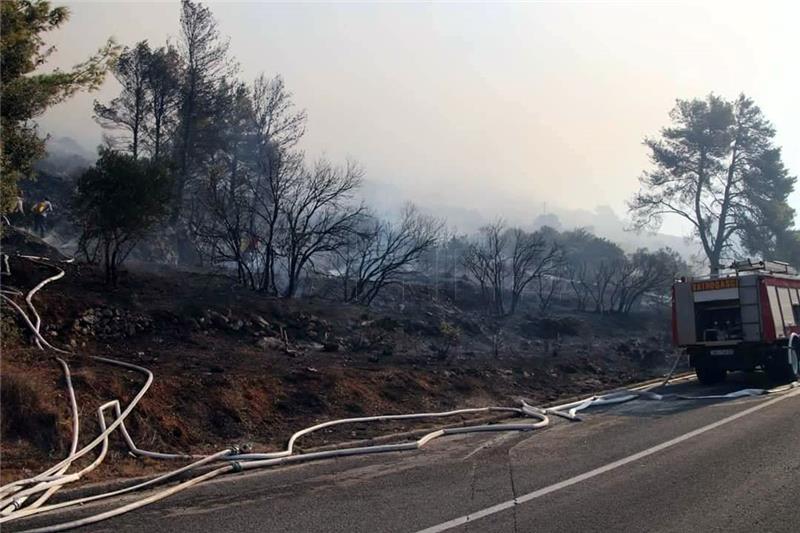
<point>237,467</point>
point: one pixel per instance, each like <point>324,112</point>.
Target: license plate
<point>722,352</point>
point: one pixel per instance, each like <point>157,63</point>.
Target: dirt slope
<point>235,366</point>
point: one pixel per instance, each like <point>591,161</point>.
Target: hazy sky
<point>481,104</point>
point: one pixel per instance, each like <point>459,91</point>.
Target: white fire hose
<point>14,495</point>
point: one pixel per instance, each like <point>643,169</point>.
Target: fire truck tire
<point>785,368</point>
<point>710,374</point>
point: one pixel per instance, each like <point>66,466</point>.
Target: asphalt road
<point>688,465</point>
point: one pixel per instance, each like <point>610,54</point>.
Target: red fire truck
<point>743,318</point>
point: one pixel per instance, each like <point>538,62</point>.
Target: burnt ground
<point>235,366</point>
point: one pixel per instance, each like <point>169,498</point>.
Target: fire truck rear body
<point>745,318</point>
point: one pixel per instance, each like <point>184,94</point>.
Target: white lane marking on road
<point>450,524</point>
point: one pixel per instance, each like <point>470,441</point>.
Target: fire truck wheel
<point>785,368</point>
<point>710,374</point>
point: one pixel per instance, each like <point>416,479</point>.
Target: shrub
<point>452,337</point>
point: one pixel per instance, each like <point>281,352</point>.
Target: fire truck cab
<point>742,318</point>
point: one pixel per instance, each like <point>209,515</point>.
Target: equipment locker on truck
<point>743,318</point>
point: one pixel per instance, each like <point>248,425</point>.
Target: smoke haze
<point>496,110</point>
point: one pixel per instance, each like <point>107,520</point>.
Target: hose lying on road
<point>647,392</point>
<point>570,410</point>
<point>138,486</point>
<point>236,466</point>
<point>15,495</point>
